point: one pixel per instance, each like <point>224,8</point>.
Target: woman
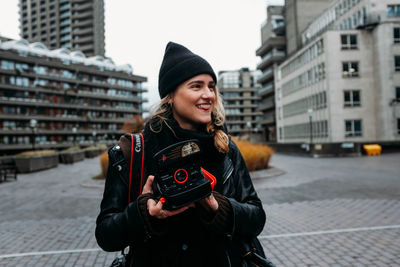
<point>210,232</point>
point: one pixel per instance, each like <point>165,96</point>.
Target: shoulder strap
<point>136,166</point>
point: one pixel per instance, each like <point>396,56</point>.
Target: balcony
<point>271,58</point>
<point>83,39</point>
<point>268,89</point>
<point>83,15</point>
<point>279,28</point>
<point>47,103</point>
<point>272,42</point>
<point>267,75</point>
<point>268,118</point>
<point>267,104</point>
<point>82,6</point>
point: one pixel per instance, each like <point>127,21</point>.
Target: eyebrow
<point>199,81</point>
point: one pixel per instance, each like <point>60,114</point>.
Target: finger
<point>175,212</point>
<point>147,188</point>
<point>151,207</point>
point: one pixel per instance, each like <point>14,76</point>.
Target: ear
<point>171,99</point>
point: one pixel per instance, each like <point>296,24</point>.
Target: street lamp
<point>32,125</point>
<point>310,112</point>
<point>74,130</point>
<point>248,124</point>
<point>94,133</point>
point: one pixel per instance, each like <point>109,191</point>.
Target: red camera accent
<point>210,177</point>
<point>162,200</point>
<point>181,182</point>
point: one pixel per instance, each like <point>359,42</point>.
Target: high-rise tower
<point>71,24</point>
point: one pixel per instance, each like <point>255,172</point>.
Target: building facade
<point>298,14</point>
<point>71,24</point>
<point>239,92</point>
<point>343,86</point>
<point>272,53</point>
<point>72,99</point>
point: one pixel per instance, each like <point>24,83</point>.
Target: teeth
<point>205,106</point>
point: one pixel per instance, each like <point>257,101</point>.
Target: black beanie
<point>179,65</point>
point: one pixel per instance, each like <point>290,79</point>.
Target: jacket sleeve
<point>248,213</point>
<point>119,223</point>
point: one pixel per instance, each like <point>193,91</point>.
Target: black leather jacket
<point>120,224</point>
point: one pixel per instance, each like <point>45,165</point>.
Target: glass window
<point>349,41</point>
<point>398,126</point>
<point>353,128</point>
<point>352,98</point>
<point>7,65</point>
<point>396,35</point>
<point>393,10</point>
<point>398,93</point>
<point>397,63</point>
<point>350,69</point>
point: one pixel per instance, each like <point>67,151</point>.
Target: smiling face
<point>193,101</point>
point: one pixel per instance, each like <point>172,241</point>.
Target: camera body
<point>179,178</point>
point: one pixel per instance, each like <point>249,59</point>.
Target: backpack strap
<point>136,166</point>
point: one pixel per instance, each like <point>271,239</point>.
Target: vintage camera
<point>179,179</point>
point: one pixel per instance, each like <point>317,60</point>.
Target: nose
<point>208,93</point>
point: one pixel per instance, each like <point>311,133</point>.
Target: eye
<point>196,86</point>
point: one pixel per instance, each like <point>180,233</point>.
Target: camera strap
<point>136,166</point>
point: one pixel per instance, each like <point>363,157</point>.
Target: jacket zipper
<point>227,256</point>
<point>229,175</point>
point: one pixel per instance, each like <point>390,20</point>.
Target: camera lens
<point>181,176</point>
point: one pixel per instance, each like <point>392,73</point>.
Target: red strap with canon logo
<point>136,166</point>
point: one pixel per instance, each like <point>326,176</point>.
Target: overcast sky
<point>225,32</point>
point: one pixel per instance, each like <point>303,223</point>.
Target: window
<point>398,126</point>
<point>353,128</point>
<point>350,69</point>
<point>398,93</point>
<point>352,98</point>
<point>397,63</point>
<point>393,10</point>
<point>349,41</point>
<point>396,35</point>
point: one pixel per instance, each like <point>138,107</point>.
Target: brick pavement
<point>54,212</point>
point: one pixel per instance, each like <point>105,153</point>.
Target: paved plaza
<point>320,212</point>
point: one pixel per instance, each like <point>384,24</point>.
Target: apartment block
<point>239,91</point>
<point>343,85</point>
<point>272,53</point>
<point>72,99</point>
<point>71,24</point>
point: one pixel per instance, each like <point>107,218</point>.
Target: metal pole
<point>311,132</point>
<point>33,138</point>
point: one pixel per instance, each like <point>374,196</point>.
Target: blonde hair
<point>221,139</point>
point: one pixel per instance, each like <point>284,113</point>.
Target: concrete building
<point>239,91</point>
<point>298,14</point>
<point>272,53</point>
<point>62,98</point>
<point>71,24</point>
<point>343,85</point>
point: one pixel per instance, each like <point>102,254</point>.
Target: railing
<point>265,89</point>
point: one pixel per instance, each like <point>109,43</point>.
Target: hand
<point>209,203</point>
<point>156,208</point>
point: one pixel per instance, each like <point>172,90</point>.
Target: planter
<point>93,153</point>
<point>71,157</point>
<point>36,163</point>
